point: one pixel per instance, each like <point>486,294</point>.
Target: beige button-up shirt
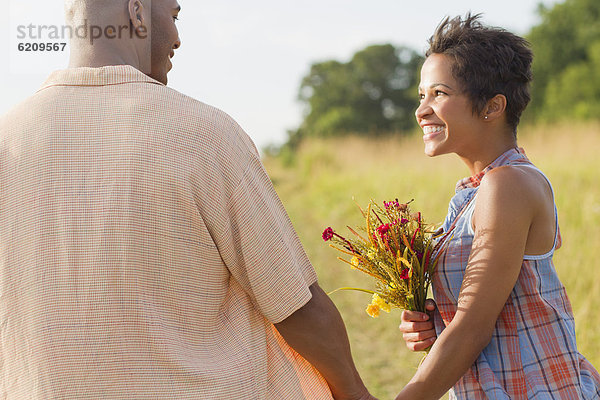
<point>144,253</point>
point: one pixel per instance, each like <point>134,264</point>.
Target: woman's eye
<point>439,93</point>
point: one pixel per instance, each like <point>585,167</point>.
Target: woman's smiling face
<point>446,113</point>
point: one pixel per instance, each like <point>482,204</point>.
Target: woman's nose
<point>423,110</point>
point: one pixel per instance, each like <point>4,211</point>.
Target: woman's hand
<point>417,328</point>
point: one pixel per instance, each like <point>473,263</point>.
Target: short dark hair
<point>487,61</point>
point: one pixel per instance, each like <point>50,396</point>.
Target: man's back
<point>143,252</point>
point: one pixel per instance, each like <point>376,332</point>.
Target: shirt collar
<point>510,156</point>
<point>102,76</point>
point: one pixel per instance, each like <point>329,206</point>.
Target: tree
<point>373,93</point>
<point>566,65</point>
<point>576,91</point>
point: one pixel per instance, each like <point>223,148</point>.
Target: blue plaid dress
<point>533,353</point>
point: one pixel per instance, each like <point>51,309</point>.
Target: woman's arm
<point>506,206</point>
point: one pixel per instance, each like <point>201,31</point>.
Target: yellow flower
<point>373,310</point>
<point>381,303</point>
<point>355,261</point>
<point>377,304</point>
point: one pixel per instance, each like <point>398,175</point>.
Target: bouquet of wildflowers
<point>395,247</point>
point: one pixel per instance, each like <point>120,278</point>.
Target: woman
<point>503,325</point>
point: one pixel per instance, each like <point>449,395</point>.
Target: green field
<point>317,186</point>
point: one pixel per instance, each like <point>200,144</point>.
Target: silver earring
<point>485,117</point>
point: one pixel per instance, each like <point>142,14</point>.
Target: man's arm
<point>316,331</point>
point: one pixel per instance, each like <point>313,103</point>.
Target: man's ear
<point>136,13</point>
<point>495,107</point>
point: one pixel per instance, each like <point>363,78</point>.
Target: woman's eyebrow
<point>439,84</point>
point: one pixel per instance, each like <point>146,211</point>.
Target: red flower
<point>327,234</point>
<point>383,229</point>
<point>404,274</point>
<point>403,221</point>
<point>391,204</point>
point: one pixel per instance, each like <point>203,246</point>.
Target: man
<point>143,251</point>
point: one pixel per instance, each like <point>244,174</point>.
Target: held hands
<point>363,395</point>
<point>368,397</point>
<point>417,328</point>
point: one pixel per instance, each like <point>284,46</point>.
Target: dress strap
<point>556,231</point>
<point>443,236</point>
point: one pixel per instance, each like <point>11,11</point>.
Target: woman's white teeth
<point>432,129</point>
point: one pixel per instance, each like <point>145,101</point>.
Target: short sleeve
<point>261,248</point>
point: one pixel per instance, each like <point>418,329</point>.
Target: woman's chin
<point>434,144</point>
<point>430,151</point>
<point>439,147</point>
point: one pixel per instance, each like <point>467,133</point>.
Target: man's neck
<point>101,55</point>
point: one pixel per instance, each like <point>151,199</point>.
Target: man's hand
<point>418,329</point>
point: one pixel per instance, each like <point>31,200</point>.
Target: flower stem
<point>352,288</point>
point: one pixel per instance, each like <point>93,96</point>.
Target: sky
<point>248,57</point>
